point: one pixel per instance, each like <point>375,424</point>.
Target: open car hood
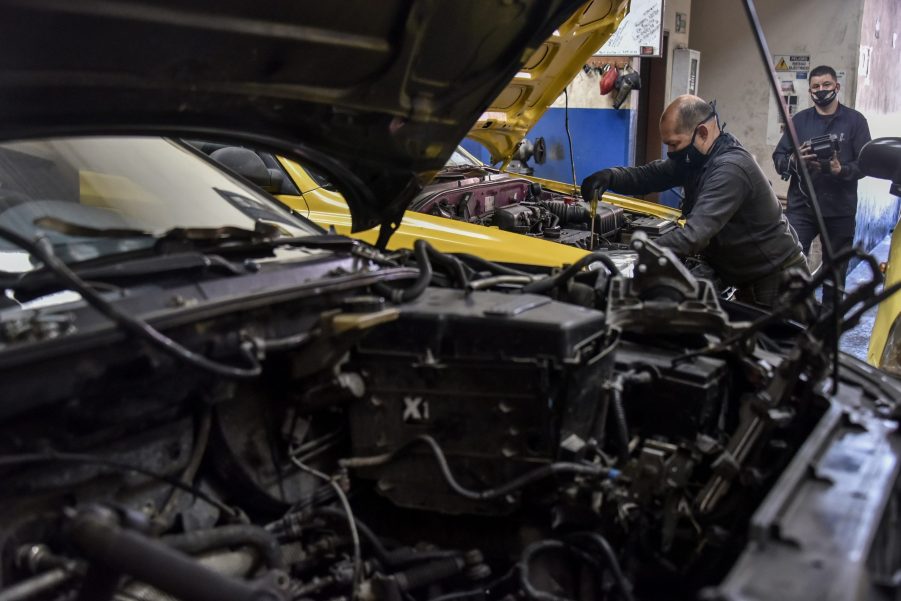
<point>544,76</point>
<point>377,93</point>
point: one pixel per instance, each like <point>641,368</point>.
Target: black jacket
<point>837,194</point>
<point>733,218</point>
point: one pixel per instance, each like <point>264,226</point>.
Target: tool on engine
<point>594,213</point>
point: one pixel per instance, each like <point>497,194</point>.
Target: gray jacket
<point>732,216</point>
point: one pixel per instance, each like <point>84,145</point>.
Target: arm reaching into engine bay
<point>656,176</point>
<point>721,197</point>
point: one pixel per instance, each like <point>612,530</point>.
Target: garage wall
<point>601,134</point>
<point>878,82</point>
<point>832,32</point>
<point>731,69</point>
<point>676,39</point>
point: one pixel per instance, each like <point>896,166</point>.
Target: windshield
<point>462,158</point>
<point>119,184</point>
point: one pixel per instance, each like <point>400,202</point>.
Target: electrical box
<point>686,64</point>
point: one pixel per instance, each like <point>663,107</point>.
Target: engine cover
<point>504,383</point>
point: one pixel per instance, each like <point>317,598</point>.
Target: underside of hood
<point>545,75</point>
<point>377,92</point>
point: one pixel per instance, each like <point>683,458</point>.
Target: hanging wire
<point>572,160</point>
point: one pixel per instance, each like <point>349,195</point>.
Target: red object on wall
<point>608,79</point>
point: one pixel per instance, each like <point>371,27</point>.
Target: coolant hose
<point>495,268</point>
<point>117,550</point>
<point>201,541</point>
<point>400,295</point>
<point>561,278</point>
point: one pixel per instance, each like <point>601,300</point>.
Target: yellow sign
<point>792,62</point>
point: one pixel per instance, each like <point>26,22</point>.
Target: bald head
<point>682,117</point>
<point>686,112</point>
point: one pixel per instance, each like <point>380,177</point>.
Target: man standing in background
<point>835,181</point>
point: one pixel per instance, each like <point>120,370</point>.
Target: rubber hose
<point>452,263</point>
<point>200,541</point>
<point>399,295</point>
<point>568,273</point>
<point>619,420</point>
<point>525,581</point>
<point>490,266</point>
<point>567,212</point>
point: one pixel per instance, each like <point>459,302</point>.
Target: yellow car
<point>881,158</point>
<point>468,208</point>
<point>471,208</point>
<point>885,341</point>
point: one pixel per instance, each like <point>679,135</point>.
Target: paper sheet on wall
<point>640,33</point>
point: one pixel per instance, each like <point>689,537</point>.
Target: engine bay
<point>456,443</point>
<point>522,206</point>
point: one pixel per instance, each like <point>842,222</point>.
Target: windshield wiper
<point>177,249</point>
<point>263,230</point>
<point>266,235</point>
<point>43,281</point>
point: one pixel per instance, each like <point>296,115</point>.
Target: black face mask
<point>823,97</point>
<point>690,157</point>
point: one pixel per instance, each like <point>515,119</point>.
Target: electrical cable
<point>621,581</point>
<point>77,458</point>
<point>503,490</point>
<point>569,137</point>
<point>853,319</point>
<point>134,325</point>
<point>351,522</point>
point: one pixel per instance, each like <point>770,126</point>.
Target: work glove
<point>595,184</point>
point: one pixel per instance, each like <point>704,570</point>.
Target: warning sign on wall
<point>792,62</point>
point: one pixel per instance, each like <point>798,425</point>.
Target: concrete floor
<point>855,341</point>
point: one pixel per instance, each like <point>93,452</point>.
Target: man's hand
<point>809,157</point>
<point>594,185</point>
<point>835,168</point>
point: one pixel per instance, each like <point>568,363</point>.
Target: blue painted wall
<point>600,139</point>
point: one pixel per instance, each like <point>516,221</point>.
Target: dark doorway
<point>651,102</point>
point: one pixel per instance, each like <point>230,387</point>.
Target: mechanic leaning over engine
<point>732,216</point>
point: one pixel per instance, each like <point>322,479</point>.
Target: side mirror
<point>250,166</point>
<point>882,158</point>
